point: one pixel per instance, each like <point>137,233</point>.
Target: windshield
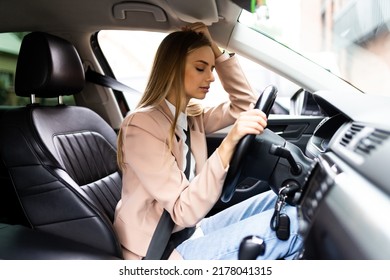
<point>350,38</point>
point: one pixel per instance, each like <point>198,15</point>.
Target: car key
<point>280,222</point>
<point>283,230</point>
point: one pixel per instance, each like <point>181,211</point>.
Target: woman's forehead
<point>202,54</point>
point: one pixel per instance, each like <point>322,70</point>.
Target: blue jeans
<point>223,232</point>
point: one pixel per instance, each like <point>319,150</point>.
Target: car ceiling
<point>90,15</point>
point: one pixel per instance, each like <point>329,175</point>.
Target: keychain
<point>280,222</point>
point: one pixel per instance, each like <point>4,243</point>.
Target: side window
<point>9,50</point>
<point>131,53</point>
<point>6,86</point>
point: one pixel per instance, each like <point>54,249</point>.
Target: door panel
<point>295,129</point>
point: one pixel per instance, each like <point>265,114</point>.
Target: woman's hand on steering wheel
<point>240,149</point>
<point>252,121</point>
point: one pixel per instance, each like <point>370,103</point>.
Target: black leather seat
<point>61,159</point>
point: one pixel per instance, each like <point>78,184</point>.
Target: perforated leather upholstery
<point>61,159</point>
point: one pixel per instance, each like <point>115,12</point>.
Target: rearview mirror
<point>249,5</point>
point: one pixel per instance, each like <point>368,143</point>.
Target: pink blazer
<point>154,179</point>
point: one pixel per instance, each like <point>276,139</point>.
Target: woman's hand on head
<point>253,121</point>
<point>202,28</point>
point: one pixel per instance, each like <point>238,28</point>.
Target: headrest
<point>48,66</point>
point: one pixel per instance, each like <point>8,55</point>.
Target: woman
<point>152,155</point>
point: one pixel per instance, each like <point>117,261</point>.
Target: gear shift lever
<point>251,247</point>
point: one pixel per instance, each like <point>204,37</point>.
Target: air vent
<point>371,141</point>
<point>350,134</point>
<point>362,140</point>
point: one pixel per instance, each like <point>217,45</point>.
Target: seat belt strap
<point>107,81</point>
<point>160,247</point>
<point>160,237</point>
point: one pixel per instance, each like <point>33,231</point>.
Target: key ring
<point>274,223</point>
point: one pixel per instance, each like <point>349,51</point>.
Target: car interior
<point>70,152</point>
<point>59,179</point>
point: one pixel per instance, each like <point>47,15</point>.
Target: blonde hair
<point>167,75</point>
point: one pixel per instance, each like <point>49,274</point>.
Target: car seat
<point>61,159</point>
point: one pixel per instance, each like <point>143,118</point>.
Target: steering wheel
<point>264,103</point>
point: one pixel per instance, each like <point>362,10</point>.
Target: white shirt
<point>182,124</point>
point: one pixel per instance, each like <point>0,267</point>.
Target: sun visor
<point>120,10</point>
<point>203,11</point>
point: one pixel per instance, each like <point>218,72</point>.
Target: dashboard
<point>343,208</point>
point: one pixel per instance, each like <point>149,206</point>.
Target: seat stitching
<point>66,155</point>
<point>85,156</point>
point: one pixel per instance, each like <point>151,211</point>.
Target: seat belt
<point>163,241</point>
<point>107,81</point>
<point>110,82</point>
<point>160,237</point>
